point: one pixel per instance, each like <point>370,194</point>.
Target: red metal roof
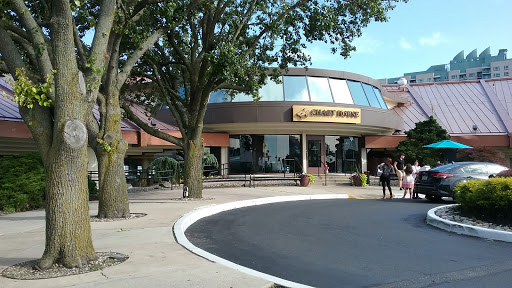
<point>459,105</point>
<point>9,111</point>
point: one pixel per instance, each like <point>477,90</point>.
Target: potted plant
<point>305,179</point>
<point>359,179</point>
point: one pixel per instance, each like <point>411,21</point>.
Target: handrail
<point>286,161</point>
<point>325,174</point>
<point>298,163</point>
<point>140,174</point>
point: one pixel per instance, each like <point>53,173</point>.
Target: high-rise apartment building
<point>473,67</point>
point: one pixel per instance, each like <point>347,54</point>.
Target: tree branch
<point>16,30</point>
<point>36,34</point>
<point>27,47</point>
<point>38,119</point>
<point>265,30</point>
<point>150,130</point>
<point>80,48</point>
<point>232,87</point>
<point>3,67</point>
<point>181,55</point>
<point>244,20</point>
<point>100,41</point>
<point>148,44</point>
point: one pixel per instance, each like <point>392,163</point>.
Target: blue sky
<point>422,33</point>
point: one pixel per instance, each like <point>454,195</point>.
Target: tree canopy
<point>424,133</point>
<point>230,45</point>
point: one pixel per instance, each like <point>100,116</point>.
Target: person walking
<point>399,168</point>
<point>386,169</point>
<point>408,181</point>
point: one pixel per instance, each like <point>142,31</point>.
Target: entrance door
<point>315,154</point>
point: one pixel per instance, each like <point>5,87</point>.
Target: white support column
<point>364,160</point>
<point>224,160</point>
<point>304,153</point>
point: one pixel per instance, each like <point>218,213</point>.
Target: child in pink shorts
<point>408,182</point>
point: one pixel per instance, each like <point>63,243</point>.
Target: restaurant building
<point>314,119</point>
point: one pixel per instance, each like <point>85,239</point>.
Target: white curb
<point>188,219</point>
<point>464,229</point>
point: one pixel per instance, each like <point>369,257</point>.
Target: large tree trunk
<point>193,173</point>
<point>68,229</point>
<point>113,194</point>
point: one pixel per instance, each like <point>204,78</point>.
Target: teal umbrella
<point>447,144</point>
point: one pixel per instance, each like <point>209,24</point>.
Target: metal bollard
<point>185,192</point>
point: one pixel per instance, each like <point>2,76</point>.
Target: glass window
<point>350,148</point>
<point>319,89</point>
<point>271,91</point>
<point>471,74</point>
<point>454,76</point>
<point>358,93</point>
<point>218,97</point>
<point>241,97</point>
<point>368,90</point>
<point>379,97</point>
<point>505,73</point>
<point>497,75</point>
<point>505,67</point>
<point>295,88</point>
<point>264,154</point>
<point>340,91</point>
<point>496,68</point>
<point>478,169</point>
<point>334,153</point>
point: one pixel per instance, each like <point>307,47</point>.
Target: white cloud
<point>367,45</point>
<point>433,40</point>
<point>405,44</point>
<point>319,52</point>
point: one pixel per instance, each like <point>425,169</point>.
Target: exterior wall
<point>425,78</point>
<point>500,67</point>
<point>473,73</point>
<point>269,117</point>
<point>383,141</point>
<point>391,142</point>
<point>14,129</point>
<point>453,75</point>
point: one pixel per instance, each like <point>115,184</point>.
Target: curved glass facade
<point>312,89</point>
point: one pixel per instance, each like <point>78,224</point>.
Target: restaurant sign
<point>326,114</point>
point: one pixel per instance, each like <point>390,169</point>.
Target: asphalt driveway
<point>353,243</point>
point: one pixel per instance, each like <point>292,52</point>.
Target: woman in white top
<point>416,171</point>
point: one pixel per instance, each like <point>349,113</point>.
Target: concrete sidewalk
<point>156,260</point>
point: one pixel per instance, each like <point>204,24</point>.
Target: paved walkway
<point>156,259</point>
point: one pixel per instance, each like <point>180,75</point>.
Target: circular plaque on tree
<point>75,133</point>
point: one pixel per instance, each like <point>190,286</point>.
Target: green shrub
<point>210,160</point>
<point>168,163</point>
<point>22,184</point>
<point>489,200</point>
